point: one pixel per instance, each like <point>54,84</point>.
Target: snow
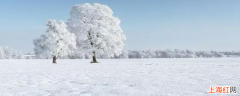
<point>118,77</point>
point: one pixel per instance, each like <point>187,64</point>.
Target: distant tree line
<point>10,53</point>
<point>176,53</point>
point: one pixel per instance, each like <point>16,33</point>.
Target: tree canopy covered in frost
<point>96,29</point>
<point>10,53</point>
<point>57,41</point>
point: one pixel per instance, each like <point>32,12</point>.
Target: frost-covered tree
<point>7,52</point>
<point>1,53</point>
<point>97,30</point>
<point>216,54</point>
<point>57,42</point>
<point>190,54</point>
<point>158,53</point>
<point>124,54</point>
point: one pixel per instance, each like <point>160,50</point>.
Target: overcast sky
<point>147,24</point>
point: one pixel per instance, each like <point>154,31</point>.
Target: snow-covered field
<point>117,77</point>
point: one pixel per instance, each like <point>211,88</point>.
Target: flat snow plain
<point>118,77</point>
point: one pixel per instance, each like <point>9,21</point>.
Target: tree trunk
<point>94,58</point>
<point>54,59</point>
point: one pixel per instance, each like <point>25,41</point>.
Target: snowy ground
<point>119,77</point>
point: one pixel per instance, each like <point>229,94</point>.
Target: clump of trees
<point>91,31</point>
<point>7,52</point>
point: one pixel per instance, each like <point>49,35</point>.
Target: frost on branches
<point>57,42</point>
<point>7,52</point>
<point>97,30</point>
